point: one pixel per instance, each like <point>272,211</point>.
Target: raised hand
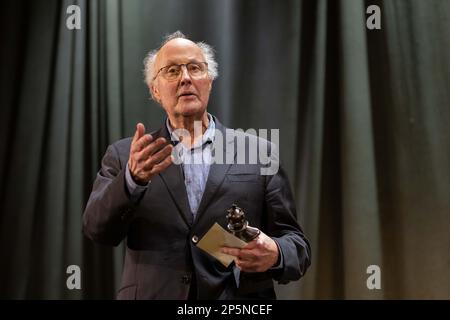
<point>148,157</point>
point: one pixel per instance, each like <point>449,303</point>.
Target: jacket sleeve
<point>109,210</point>
<point>285,230</point>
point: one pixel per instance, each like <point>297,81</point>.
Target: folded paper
<point>216,238</point>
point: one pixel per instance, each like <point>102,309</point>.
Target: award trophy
<point>238,225</point>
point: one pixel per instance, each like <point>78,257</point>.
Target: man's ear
<point>155,92</point>
<point>210,85</point>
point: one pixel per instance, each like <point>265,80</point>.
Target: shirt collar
<point>208,135</point>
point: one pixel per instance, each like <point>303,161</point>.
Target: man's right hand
<point>148,157</point>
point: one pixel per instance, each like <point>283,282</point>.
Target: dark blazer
<point>162,259</point>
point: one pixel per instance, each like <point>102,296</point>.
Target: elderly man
<point>163,208</point>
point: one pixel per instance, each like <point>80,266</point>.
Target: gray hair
<point>207,50</point>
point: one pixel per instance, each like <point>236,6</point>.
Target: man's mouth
<point>187,95</point>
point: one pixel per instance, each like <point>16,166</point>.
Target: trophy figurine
<point>238,226</point>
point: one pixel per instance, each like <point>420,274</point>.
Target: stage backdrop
<point>364,119</point>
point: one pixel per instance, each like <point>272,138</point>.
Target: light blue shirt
<point>195,162</point>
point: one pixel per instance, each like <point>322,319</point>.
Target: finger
<point>247,255</point>
<point>241,263</point>
<point>158,157</point>
<point>152,148</point>
<point>247,267</point>
<point>237,264</point>
<point>140,130</point>
<point>231,251</point>
<point>162,165</point>
<point>141,143</point>
<point>250,266</point>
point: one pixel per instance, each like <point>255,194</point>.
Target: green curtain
<point>60,109</point>
<point>373,179</point>
<point>362,117</point>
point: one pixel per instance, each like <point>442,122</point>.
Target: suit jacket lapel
<point>174,181</point>
<point>217,173</point>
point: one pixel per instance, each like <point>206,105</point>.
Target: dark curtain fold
<point>57,121</point>
<point>362,115</point>
<point>410,76</point>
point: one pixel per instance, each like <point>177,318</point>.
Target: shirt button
<point>194,239</point>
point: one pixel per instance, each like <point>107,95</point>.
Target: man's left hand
<point>258,255</point>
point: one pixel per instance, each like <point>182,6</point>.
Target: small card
<point>218,237</point>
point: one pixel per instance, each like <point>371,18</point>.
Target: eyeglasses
<point>172,72</point>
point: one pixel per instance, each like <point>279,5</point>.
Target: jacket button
<point>194,239</point>
<point>185,279</point>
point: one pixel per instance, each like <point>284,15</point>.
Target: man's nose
<point>185,76</point>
